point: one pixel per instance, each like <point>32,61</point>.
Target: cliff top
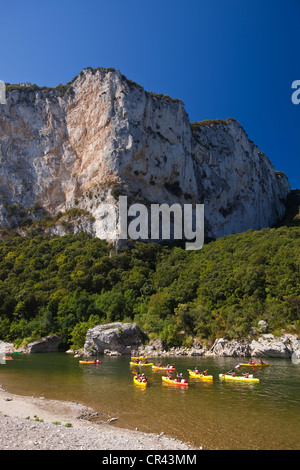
<point>63,88</point>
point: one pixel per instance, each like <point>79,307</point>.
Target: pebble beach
<point>29,423</point>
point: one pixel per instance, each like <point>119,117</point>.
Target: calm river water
<point>217,415</point>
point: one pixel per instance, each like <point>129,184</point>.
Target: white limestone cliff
<point>82,144</point>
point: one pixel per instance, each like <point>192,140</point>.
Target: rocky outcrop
<point>48,344</point>
<point>236,181</point>
<point>264,345</point>
<point>231,348</point>
<point>267,345</point>
<point>113,339</point>
<point>83,144</point>
<point>6,348</point>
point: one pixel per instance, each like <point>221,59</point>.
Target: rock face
<point>6,348</point>
<point>267,345</point>
<point>113,338</point>
<point>286,346</point>
<point>82,144</point>
<point>47,344</point>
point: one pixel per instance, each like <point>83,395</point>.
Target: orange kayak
<point>89,362</point>
<point>254,364</point>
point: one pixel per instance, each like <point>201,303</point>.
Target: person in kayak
<point>159,364</point>
<point>170,375</point>
<point>232,373</point>
<point>260,361</point>
<point>180,378</point>
<point>141,378</point>
<point>196,370</point>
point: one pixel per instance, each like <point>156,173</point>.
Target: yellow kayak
<point>163,368</point>
<point>238,378</point>
<point>200,376</point>
<point>174,382</point>
<point>142,383</point>
<point>140,364</point>
<point>140,358</point>
<point>254,364</point>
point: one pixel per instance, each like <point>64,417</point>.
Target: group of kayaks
<point>231,375</point>
<point>142,381</point>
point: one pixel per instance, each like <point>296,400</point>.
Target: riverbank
<point>28,423</point>
<point>285,346</point>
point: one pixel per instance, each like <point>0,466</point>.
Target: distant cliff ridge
<point>82,144</point>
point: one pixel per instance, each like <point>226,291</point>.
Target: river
<point>214,415</point>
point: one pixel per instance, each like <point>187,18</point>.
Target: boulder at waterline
<point>119,337</point>
<point>51,343</point>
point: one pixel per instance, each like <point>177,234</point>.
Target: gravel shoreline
<point>27,423</point>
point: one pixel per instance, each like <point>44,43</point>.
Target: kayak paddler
<point>180,377</point>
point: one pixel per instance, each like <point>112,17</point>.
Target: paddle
<point>236,367</point>
<point>227,372</point>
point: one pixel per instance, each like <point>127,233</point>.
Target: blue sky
<point>222,58</point>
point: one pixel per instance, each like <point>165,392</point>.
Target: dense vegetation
<point>67,284</point>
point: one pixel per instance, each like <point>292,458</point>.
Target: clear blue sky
<point>222,58</point>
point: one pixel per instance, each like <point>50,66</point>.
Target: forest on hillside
<point>65,285</point>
